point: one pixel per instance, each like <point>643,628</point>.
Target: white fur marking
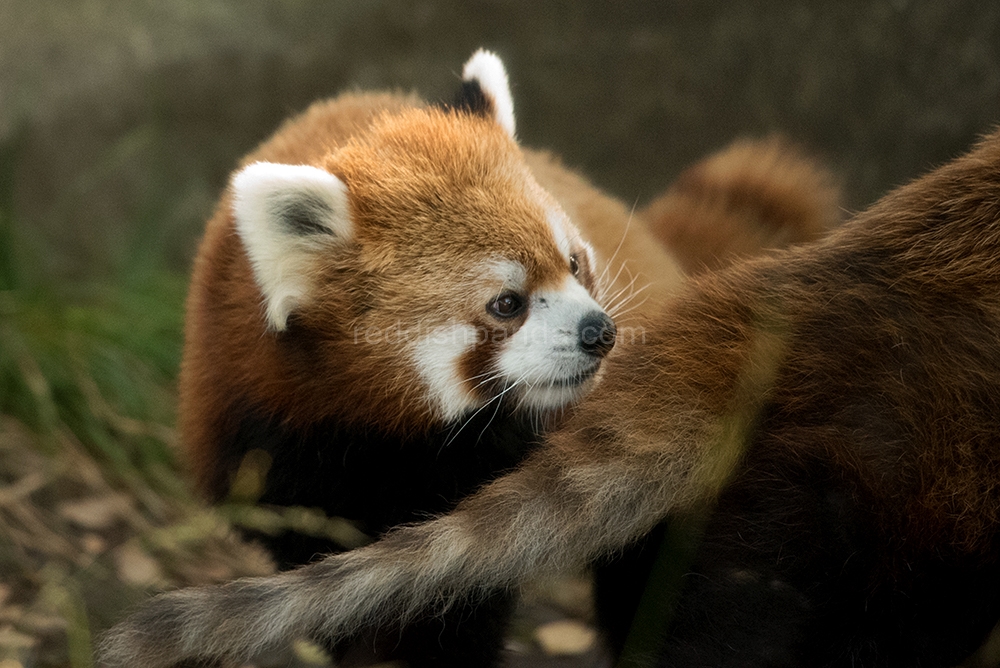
<point>281,256</point>
<point>568,236</point>
<point>436,358</point>
<point>559,223</point>
<point>545,353</point>
<point>486,68</point>
<point>510,274</point>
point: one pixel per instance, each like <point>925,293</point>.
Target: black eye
<point>574,265</point>
<point>506,305</point>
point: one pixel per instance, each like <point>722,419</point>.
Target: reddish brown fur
<point>935,246</point>
<point>748,197</point>
<point>619,235</point>
<point>223,304</point>
<point>392,172</point>
<point>392,153</point>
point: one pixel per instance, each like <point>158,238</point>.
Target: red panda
<point>833,410</point>
<point>385,311</point>
<point>388,306</point>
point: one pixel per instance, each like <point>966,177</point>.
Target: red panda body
<point>225,350</point>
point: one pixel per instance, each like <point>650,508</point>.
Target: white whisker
<point>457,430</point>
<point>631,308</point>
<point>497,409</point>
<point>610,260</point>
<point>627,288</point>
<point>488,379</point>
<point>618,273</point>
<point>615,308</point>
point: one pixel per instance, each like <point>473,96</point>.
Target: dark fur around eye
<point>506,305</point>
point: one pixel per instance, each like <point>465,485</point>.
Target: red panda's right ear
<point>486,91</point>
<point>287,216</point>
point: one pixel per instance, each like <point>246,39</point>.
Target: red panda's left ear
<point>288,217</point>
<point>485,90</point>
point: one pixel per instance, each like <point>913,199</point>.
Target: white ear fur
<point>284,214</point>
<point>487,69</point>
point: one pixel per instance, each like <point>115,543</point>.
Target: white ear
<point>486,69</point>
<point>286,215</point>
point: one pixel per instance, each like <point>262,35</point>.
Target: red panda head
<point>423,269</point>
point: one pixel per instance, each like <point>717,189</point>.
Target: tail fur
<point>752,196</point>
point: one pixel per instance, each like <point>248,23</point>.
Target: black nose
<point>597,334</point>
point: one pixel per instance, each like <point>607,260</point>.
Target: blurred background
<point>120,121</point>
<point>128,115</point>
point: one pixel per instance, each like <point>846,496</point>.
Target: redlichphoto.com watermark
<point>469,335</point>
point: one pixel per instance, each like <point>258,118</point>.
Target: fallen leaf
<point>136,567</point>
<point>94,512</point>
<point>565,637</point>
<point>92,543</point>
<point>12,639</point>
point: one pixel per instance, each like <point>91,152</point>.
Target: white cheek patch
<point>437,356</point>
<point>544,356</point>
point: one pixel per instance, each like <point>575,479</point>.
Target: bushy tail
<point>752,196</point>
<point>598,485</point>
<point>536,520</point>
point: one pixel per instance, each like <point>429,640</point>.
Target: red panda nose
<point>597,334</point>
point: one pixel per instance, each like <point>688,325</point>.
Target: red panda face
<point>429,269</point>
